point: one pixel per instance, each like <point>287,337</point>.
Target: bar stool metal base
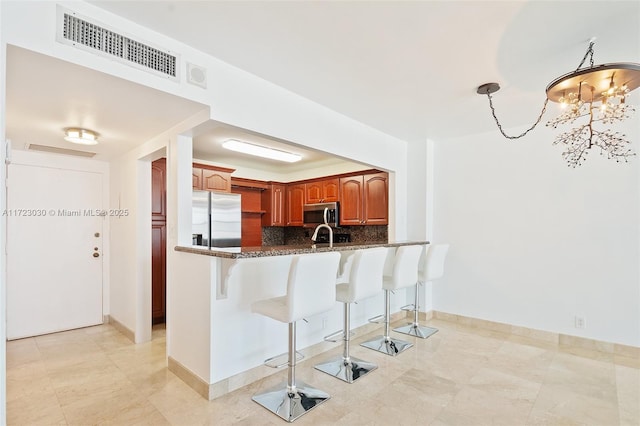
<point>288,403</point>
<point>387,345</point>
<point>346,370</point>
<point>416,330</point>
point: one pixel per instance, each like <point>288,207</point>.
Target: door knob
<point>96,254</point>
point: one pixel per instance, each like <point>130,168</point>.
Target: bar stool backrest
<point>365,279</point>
<point>311,288</point>
<point>405,268</point>
<point>432,262</point>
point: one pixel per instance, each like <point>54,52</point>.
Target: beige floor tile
<point>561,404</point>
<point>23,351</point>
<point>462,375</point>
<point>628,385</point>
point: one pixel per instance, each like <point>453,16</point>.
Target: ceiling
<point>409,69</point>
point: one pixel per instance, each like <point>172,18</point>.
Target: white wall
<point>535,243</point>
<point>3,231</point>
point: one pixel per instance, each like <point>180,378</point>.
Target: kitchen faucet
<point>315,233</point>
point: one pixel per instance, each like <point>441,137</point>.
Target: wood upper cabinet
<point>364,200</point>
<point>376,199</point>
<point>295,195</point>
<point>322,191</point>
<point>351,200</point>
<point>158,191</point>
<point>197,178</point>
<point>273,202</point>
<point>211,178</point>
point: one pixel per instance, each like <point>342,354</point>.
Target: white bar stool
<point>431,268</point>
<point>364,280</point>
<point>405,274</point>
<point>311,289</point>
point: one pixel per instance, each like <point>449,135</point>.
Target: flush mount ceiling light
<point>597,93</point>
<point>80,136</point>
<point>261,151</point>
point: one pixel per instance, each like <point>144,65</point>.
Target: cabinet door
<point>214,180</point>
<point>295,204</point>
<point>376,201</point>
<point>197,178</point>
<point>313,192</point>
<point>158,191</point>
<point>273,205</point>
<point>330,190</point>
<point>158,268</point>
<point>351,200</point>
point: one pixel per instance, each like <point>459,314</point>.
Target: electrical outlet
<point>580,322</point>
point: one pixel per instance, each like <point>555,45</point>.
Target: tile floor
<point>460,376</point>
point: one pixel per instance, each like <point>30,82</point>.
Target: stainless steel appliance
<point>319,213</point>
<point>216,219</point>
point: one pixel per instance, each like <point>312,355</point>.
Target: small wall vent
<point>56,150</point>
<point>98,39</point>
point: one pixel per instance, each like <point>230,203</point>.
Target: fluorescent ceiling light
<point>261,151</point>
<point>80,136</point>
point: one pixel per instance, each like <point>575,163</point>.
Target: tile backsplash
<point>279,236</point>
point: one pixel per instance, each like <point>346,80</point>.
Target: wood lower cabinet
<point>364,200</point>
<point>322,191</point>
<point>158,271</point>
<point>295,195</point>
<point>273,202</point>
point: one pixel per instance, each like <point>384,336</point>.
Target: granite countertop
<point>250,252</point>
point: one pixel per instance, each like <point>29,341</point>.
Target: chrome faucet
<point>315,233</point>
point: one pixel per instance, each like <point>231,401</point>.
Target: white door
<point>54,250</point>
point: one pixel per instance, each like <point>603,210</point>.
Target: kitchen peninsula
<point>215,343</point>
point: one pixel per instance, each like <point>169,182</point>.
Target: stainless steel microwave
<point>316,214</point>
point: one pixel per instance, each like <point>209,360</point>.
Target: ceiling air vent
<point>56,150</point>
<point>98,39</point>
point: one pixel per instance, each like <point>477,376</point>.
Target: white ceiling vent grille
<point>57,150</point>
<point>98,39</point>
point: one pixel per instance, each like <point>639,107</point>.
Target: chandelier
<point>589,97</point>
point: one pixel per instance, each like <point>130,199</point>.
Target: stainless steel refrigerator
<point>216,219</point>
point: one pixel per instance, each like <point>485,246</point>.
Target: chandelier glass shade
<point>589,97</point>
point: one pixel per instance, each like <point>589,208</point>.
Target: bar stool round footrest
<point>416,330</point>
<point>289,403</point>
<point>410,307</point>
<point>346,370</point>
<point>377,319</point>
<point>337,336</point>
<point>281,360</point>
<point>387,345</point>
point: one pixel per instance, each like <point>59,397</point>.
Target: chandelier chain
<point>493,112</point>
<point>589,52</point>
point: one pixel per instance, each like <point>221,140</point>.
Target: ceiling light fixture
<point>261,151</point>
<point>596,92</point>
<point>80,136</point>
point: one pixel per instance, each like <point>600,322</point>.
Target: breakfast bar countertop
<point>267,251</point>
